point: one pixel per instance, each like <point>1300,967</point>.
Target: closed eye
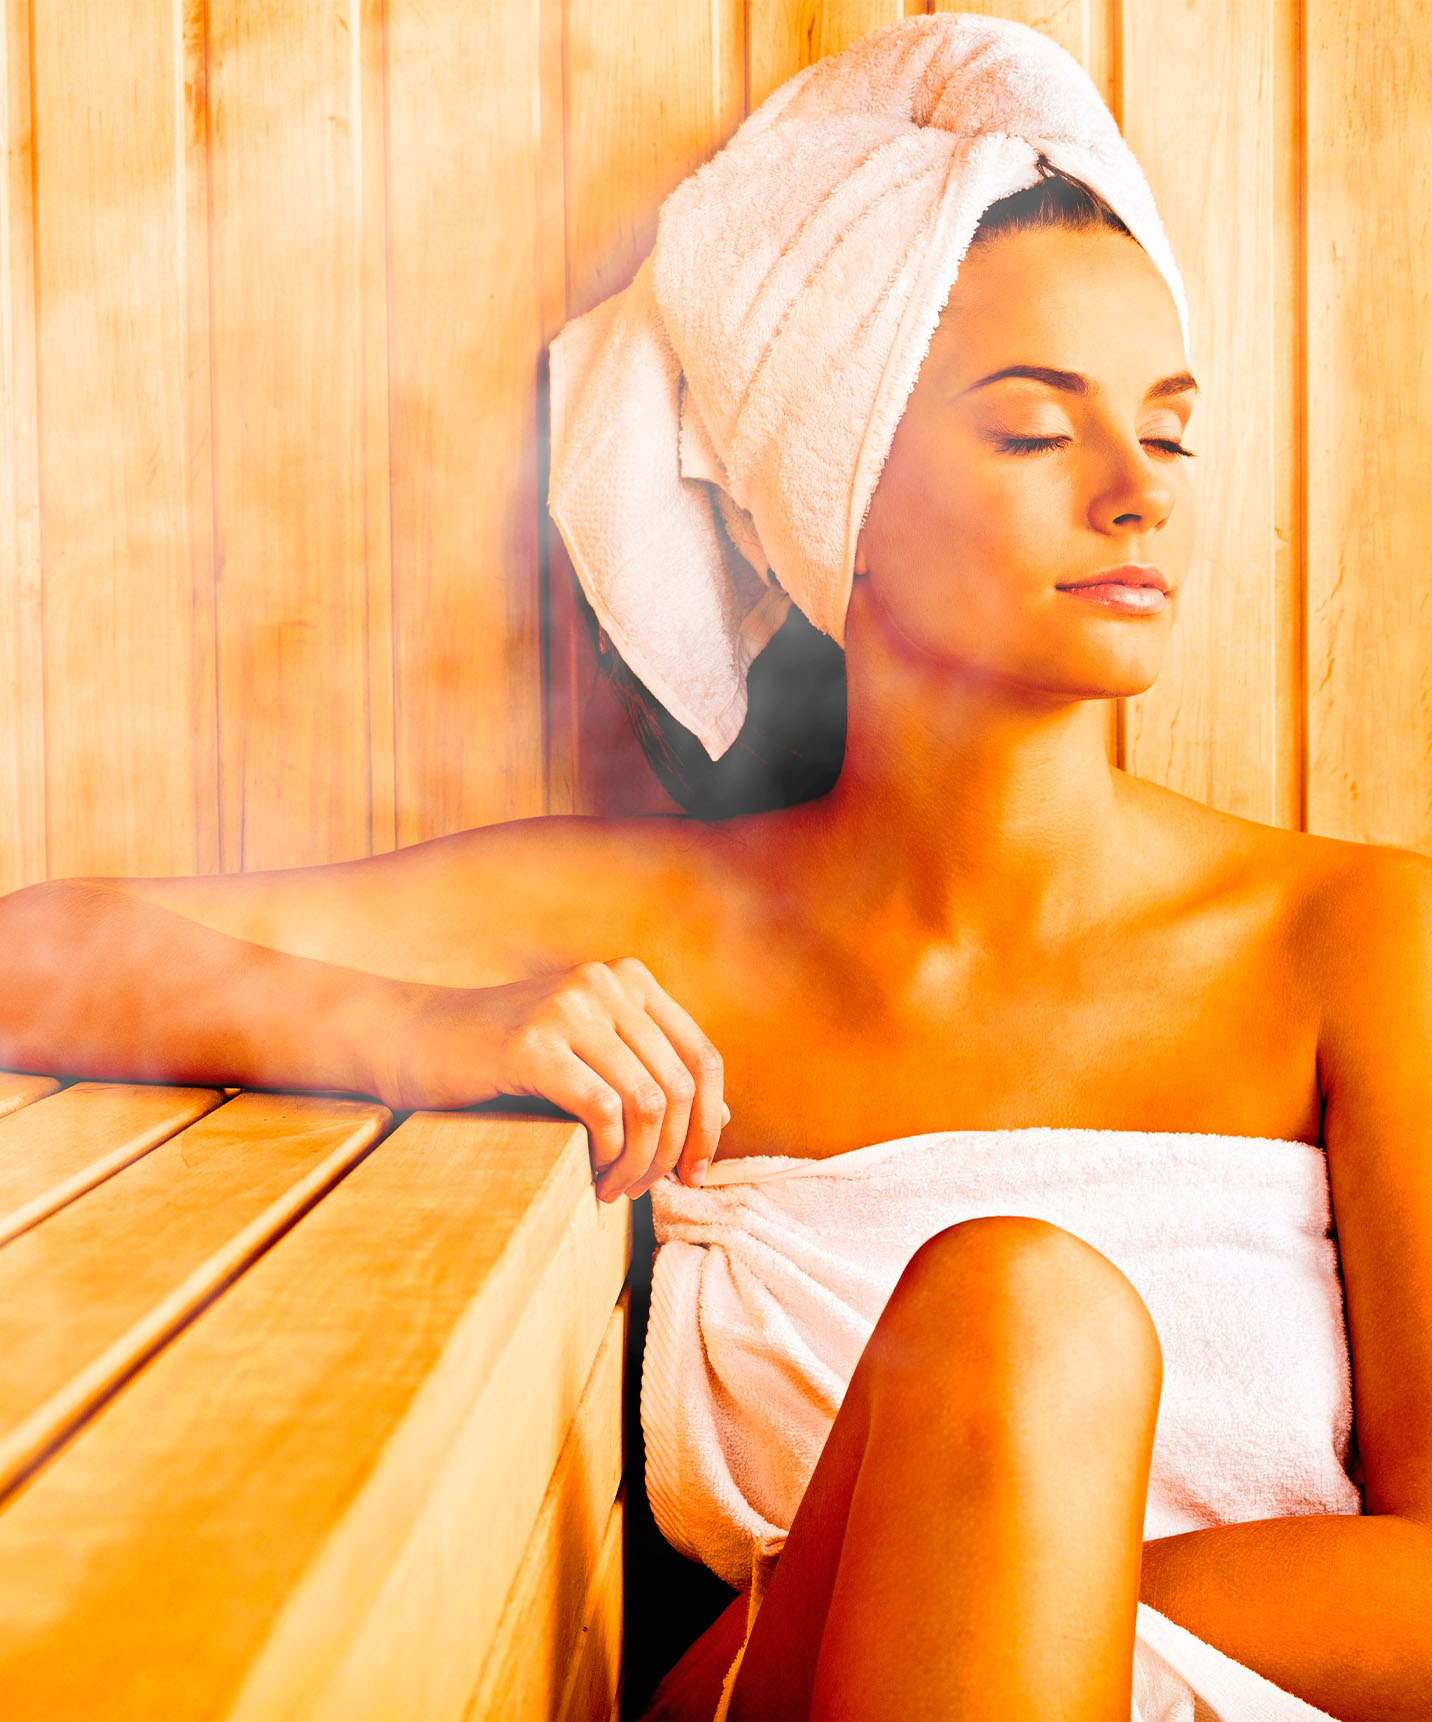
<point>1033,444</point>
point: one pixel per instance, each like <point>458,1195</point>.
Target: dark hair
<point>793,740</point>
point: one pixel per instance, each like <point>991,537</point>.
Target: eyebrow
<point>1072,383</point>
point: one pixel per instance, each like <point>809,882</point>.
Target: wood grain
<point>1067,21</point>
<point>372,107</point>
<point>651,93</point>
<point>331,1386</point>
<point>18,1089</point>
<point>198,440</point>
<point>397,1617</point>
<point>54,1152</point>
<point>466,348</point>
<point>595,1681</point>
<point>542,1623</point>
<point>112,360</point>
<point>93,1292</point>
<point>22,737</point>
<point>1199,113</point>
<point>787,35</point>
<point>1369,445</point>
<point>286,121</point>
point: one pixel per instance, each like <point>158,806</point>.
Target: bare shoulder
<point>1335,895</point>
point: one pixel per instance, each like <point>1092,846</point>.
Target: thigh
<point>980,1497</point>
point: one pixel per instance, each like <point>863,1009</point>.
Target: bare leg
<point>969,1545</point>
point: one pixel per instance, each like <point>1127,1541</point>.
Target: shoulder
<point>1337,897</point>
<point>1364,922</point>
<point>578,886</point>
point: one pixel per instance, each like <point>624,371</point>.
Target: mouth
<point>1126,574</point>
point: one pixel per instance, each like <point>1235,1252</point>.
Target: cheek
<point>938,503</point>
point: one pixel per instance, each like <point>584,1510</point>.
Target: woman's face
<point>998,494</point>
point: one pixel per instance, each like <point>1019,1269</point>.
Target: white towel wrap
<point>768,1282</point>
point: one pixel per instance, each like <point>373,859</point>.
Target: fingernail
<point>698,1171</point>
<point>725,1116</point>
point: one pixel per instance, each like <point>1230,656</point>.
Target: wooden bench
<point>305,1412</point>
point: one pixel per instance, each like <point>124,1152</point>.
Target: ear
<point>862,566</point>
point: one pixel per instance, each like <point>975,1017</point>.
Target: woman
<point>984,926</point>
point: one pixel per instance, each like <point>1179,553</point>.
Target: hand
<point>602,1041</point>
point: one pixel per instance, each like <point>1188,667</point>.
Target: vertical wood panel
<point>466,350</point>
<point>1290,532</point>
<point>1064,20</point>
<point>22,739</point>
<point>556,579</point>
<point>287,129</point>
<point>786,35</point>
<point>652,92</point>
<point>1369,260</point>
<point>110,274</point>
<point>1199,113</point>
<point>372,74</point>
<point>198,440</point>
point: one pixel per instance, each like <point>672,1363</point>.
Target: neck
<point>967,802</point>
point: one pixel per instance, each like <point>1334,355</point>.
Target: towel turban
<point>719,426</point>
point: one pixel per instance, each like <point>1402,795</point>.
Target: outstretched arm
<point>100,981</point>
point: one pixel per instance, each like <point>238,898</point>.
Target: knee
<point>1024,1306</point>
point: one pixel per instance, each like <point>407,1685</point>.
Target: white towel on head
<point>769,1280</point>
<point>719,426</point>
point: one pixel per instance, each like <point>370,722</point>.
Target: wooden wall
<point>276,280</point>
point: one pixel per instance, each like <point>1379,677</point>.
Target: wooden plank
<point>1199,113</point>
<point>787,35</point>
<point>652,92</point>
<point>1067,21</point>
<point>556,581</point>
<point>532,1648</point>
<point>18,1089</point>
<point>287,125</point>
<point>110,264</point>
<point>1290,375</point>
<point>95,1291</point>
<point>1369,256</point>
<point>595,1682</point>
<point>22,734</point>
<point>327,1388</point>
<point>377,497</point>
<point>198,439</point>
<point>393,1620</point>
<point>52,1153</point>
<point>466,349</point>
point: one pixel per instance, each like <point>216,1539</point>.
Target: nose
<point>1134,495</point>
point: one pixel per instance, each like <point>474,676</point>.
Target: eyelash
<point>1033,444</point>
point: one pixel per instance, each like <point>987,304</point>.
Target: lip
<point>1126,574</point>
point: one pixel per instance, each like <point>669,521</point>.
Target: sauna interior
<point>277,585</point>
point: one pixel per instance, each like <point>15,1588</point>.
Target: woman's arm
<point>1335,1608</point>
<point>98,981</point>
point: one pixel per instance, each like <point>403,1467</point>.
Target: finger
<point>643,1109</point>
<point>709,1113</point>
<point>678,1084</point>
<point>567,1081</point>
